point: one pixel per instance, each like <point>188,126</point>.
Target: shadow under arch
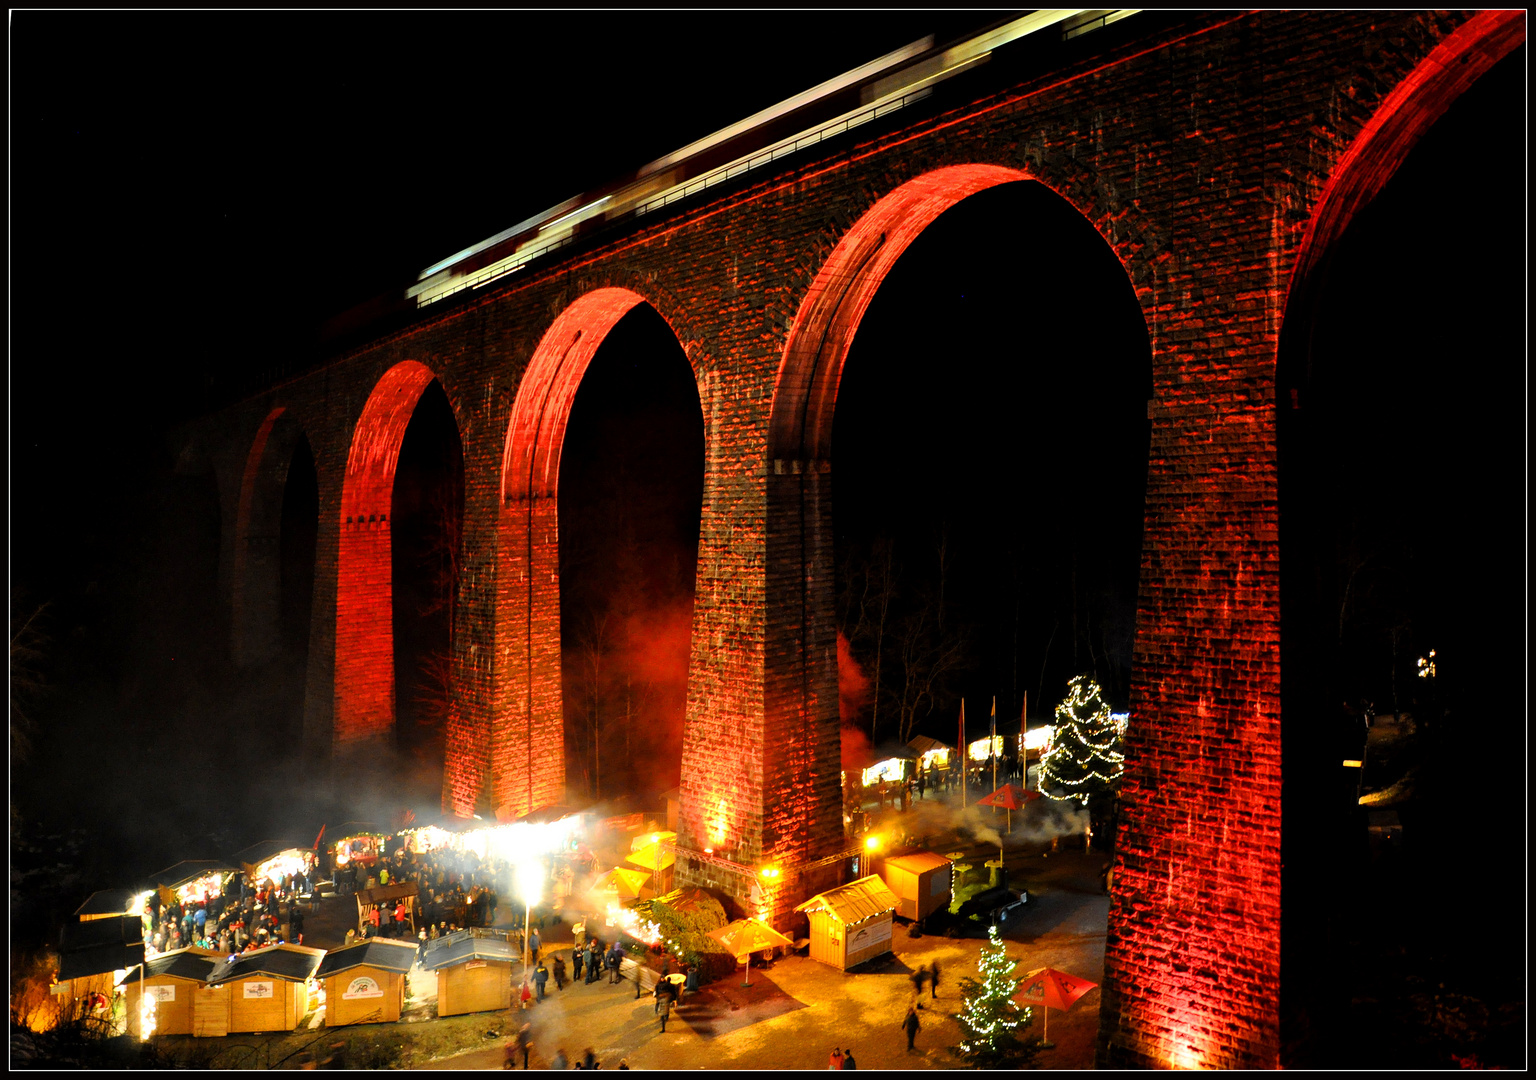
<point>365,661</point>
<point>255,592</point>
<point>527,746</point>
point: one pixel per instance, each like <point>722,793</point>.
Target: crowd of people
<point>241,917</point>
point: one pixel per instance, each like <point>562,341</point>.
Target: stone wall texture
<point>1217,155</point>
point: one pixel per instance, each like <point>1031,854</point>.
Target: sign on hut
<point>365,983</point>
<point>851,924</point>
<point>920,880</point>
<point>262,990</point>
<point>474,974</point>
<point>390,895</point>
<point>361,842</point>
<point>171,980</point>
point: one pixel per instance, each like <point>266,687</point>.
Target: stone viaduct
<point>1218,155</point>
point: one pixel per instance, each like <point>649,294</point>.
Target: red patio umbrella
<point>1051,989</point>
<point>1010,797</point>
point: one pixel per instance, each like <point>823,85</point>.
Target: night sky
<point>192,195</point>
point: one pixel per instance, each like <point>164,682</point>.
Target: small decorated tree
<point>989,1018</point>
<point>1084,760</point>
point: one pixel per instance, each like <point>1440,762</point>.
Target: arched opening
<point>297,535</point>
<point>631,486</point>
<point>990,454</point>
<point>427,516</point>
<point>365,641</point>
<point>276,523</point>
<point>1401,533</point>
<point>523,767</point>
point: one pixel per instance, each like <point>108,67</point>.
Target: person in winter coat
<point>933,980</point>
<point>559,972</point>
<point>848,1062</point>
<point>540,977</point>
<point>665,1011</point>
<point>577,956</point>
<point>836,1060</point>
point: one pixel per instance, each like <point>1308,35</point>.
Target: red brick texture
<point>1204,149</point>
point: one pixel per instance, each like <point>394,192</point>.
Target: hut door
<point>210,1012</point>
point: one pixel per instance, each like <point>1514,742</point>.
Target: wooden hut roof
<point>188,963</point>
<point>111,902</point>
<point>380,893</point>
<point>188,870</point>
<point>854,902</point>
<point>397,956</point>
<point>450,952</point>
<point>922,744</point>
<point>917,862</point>
<point>292,962</point>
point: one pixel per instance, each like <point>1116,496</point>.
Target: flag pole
<point>992,746</point>
<point>960,753</point>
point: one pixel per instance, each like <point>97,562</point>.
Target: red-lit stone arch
<point>255,592</point>
<point>365,658</point>
<point>527,744</point>
<point>1409,111</point>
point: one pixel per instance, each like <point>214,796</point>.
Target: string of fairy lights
<point>1084,754</point>
<point>989,1015</point>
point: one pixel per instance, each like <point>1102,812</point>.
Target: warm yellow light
<point>1351,763</point>
<point>871,843</point>
<point>769,872</point>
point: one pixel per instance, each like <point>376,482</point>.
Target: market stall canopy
<point>108,902</point>
<point>623,884</point>
<point>541,814</point>
<point>398,956</point>
<point>258,859</point>
<point>652,856</point>
<point>646,839</point>
<point>854,902</point>
<point>100,945</point>
<point>446,953</point>
<point>188,871</point>
<point>292,962</point>
<point>744,936</point>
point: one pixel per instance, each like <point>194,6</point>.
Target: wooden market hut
<point>920,879</point>
<point>365,983</point>
<point>851,924</point>
<point>173,980</point>
<point>196,879</point>
<point>262,990</point>
<point>368,899</point>
<point>92,952</point>
<point>258,859</point>
<point>474,973</point>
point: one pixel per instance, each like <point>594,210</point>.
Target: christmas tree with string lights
<point>1084,759</point>
<point>990,1019</point>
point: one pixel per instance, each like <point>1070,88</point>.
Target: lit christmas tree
<point>989,1017</point>
<point>1083,760</point>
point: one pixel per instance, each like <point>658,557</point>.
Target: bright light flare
<point>530,877</point>
<point>872,843</point>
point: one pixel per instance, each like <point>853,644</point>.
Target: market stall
<point>192,880</point>
<point>392,895</point>
<point>851,924</point>
<point>474,974</point>
<point>170,980</point>
<point>658,858</point>
<point>920,880</point>
<point>931,754</point>
<point>361,842</point>
<point>262,990</point>
<point>365,983</point>
<point>272,860</point>
<point>95,955</point>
